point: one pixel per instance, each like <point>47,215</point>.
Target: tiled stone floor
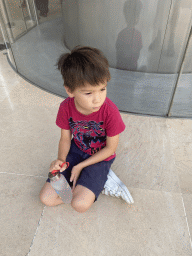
<point>154,160</point>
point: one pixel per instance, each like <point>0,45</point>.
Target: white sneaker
<point>115,187</point>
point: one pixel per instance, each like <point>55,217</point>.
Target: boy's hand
<point>75,172</point>
<point>56,165</point>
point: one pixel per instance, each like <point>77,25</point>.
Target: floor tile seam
<point>38,225</point>
<point>187,223</point>
<point>21,174</point>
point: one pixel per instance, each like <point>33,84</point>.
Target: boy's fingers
<point>72,177</point>
<point>63,168</point>
<point>74,182</point>
<point>55,167</point>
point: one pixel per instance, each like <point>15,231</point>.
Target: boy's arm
<point>64,144</point>
<point>107,151</point>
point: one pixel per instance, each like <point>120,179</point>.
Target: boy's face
<point>89,99</point>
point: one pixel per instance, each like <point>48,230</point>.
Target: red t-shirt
<point>90,131</point>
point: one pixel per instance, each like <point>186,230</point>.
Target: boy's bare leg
<point>48,196</point>
<point>82,200</point>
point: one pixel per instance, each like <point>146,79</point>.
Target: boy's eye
<point>90,92</point>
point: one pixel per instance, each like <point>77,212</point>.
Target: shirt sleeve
<point>114,124</point>
<point>62,117</point>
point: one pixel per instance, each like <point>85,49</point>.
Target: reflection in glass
<point>129,40</point>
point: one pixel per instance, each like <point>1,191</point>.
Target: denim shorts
<point>93,176</point>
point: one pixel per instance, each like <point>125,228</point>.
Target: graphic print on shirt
<point>89,135</point>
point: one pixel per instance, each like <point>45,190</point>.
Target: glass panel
<point>48,9</point>
<point>2,44</point>
<point>4,38</point>
<point>144,42</point>
<point>20,16</point>
<point>176,36</point>
<point>182,103</point>
<point>28,12</point>
<point>1,35</point>
<point>130,33</point>
<point>37,51</point>
<point>15,16</point>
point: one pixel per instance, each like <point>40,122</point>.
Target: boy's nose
<point>96,99</point>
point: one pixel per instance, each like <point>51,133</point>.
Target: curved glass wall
<point>146,42</point>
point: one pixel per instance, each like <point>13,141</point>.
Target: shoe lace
<point>111,192</point>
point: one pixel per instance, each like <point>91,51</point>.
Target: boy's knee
<point>45,200</point>
<point>48,195</point>
<point>42,198</point>
<point>79,206</point>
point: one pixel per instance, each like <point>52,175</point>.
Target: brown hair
<point>84,64</point>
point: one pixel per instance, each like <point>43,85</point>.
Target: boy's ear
<point>69,92</point>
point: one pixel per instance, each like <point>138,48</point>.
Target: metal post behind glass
<point>179,74</point>
<point>35,10</point>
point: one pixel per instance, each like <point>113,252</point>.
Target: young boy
<point>95,123</point>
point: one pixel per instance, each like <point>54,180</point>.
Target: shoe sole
<point>124,188</point>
